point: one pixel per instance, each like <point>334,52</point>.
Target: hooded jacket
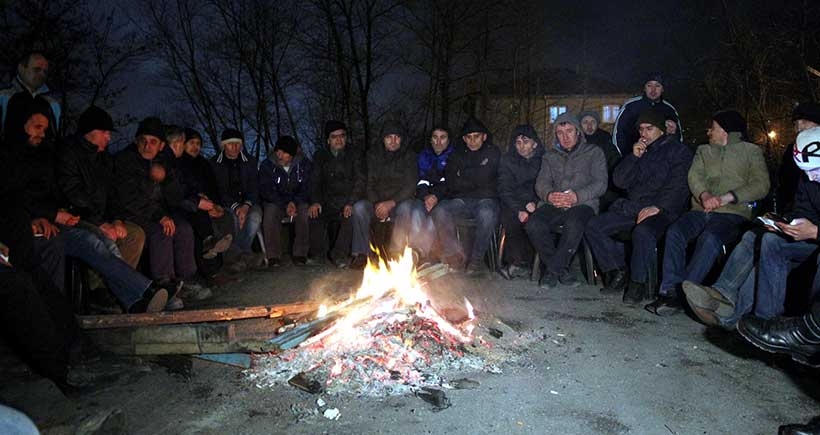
<point>625,132</point>
<point>738,167</point>
<point>138,198</point>
<point>472,174</point>
<point>280,187</point>
<point>431,171</point>
<point>391,175</point>
<point>658,178</point>
<point>582,170</point>
<point>245,191</point>
<point>516,174</point>
<point>86,178</point>
<point>337,180</point>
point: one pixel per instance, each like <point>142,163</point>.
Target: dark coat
<point>603,139</point>
<point>280,187</point>
<point>197,178</point>
<point>136,197</point>
<point>472,174</point>
<point>431,171</point>
<point>658,178</point>
<point>337,181</point>
<point>391,175</point>
<point>516,178</point>
<point>29,180</point>
<point>86,178</point>
<point>625,132</point>
<point>788,178</point>
<point>16,101</point>
<point>807,201</point>
<point>247,189</point>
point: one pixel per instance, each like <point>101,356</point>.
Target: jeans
<point>447,214</point>
<point>737,280</point>
<point>272,229</point>
<point>125,283</point>
<point>171,256</point>
<point>610,254</point>
<point>406,219</point>
<point>15,422</point>
<point>712,230</point>
<point>545,223</point>
<point>243,237</point>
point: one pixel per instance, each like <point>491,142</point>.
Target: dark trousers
<point>517,247</point>
<point>272,230</point>
<point>452,212</point>
<point>319,234</point>
<point>570,223</point>
<point>37,320</point>
<point>610,253</point>
<point>171,257</point>
<point>49,257</point>
<point>203,227</point>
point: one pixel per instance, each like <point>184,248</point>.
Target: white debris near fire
<point>388,339</point>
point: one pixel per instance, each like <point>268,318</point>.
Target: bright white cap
<point>807,149</point>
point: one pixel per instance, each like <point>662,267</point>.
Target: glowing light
<point>772,134</point>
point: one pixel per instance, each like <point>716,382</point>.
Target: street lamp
<point>772,135</point>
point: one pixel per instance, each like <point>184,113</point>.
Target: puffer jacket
<point>516,174</point>
<point>582,170</point>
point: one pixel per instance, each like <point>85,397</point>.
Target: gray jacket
<point>582,170</point>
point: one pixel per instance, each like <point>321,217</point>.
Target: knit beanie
<point>656,77</point>
<point>190,133</point>
<point>473,125</point>
<point>568,118</point>
<point>287,144</point>
<point>651,116</point>
<point>151,126</point>
<point>807,149</point>
<point>730,121</point>
<point>333,125</point>
<point>231,135</point>
<point>810,111</point>
<point>591,113</point>
<point>92,119</point>
<point>392,127</point>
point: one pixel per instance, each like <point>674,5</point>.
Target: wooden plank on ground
<point>194,316</point>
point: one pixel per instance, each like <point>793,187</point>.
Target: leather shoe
<point>707,303</point>
<point>812,428</point>
<point>548,281</point>
<point>665,305</point>
<point>615,281</point>
<point>636,293</point>
<point>799,337</point>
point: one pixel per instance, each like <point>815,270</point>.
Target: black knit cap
<point>231,135</point>
<point>190,133</point>
<point>392,127</point>
<point>473,125</point>
<point>287,144</point>
<point>94,118</point>
<point>810,111</point>
<point>333,125</point>
<point>731,121</point>
<point>655,76</point>
<point>651,116</point>
<point>152,126</point>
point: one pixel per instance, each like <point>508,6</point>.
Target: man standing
<point>28,90</point>
<point>572,178</point>
<point>654,176</point>
<point>337,182</point>
<point>470,192</point>
<point>237,181</point>
<point>284,186</point>
<point>624,133</point>
<point>726,176</point>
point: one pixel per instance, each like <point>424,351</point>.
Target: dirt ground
<point>595,366</point>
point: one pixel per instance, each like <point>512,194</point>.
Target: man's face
<point>653,90</point>
<point>35,128</point>
<point>525,146</point>
<point>474,141</point>
<point>717,135</point>
<point>649,133</point>
<point>232,149</point>
<point>567,135</point>
<point>337,140</point>
<point>148,146</point>
<point>35,72</point>
<point>804,124</point>
<point>439,141</point>
<point>589,125</point>
<point>813,174</point>
<point>392,142</point>
<point>100,138</point>
<point>283,158</point>
<point>178,146</point>
<point>193,147</point>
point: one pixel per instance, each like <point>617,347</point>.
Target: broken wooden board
<point>194,316</point>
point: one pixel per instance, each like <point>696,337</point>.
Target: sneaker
<point>568,279</point>
<point>153,301</point>
<point>174,304</point>
<point>548,281</point>
<point>194,291</point>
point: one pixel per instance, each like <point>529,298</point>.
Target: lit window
<point>610,113</point>
<point>555,111</point>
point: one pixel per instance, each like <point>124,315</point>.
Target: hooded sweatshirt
<point>516,174</point>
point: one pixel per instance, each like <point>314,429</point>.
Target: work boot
<point>153,301</point>
<point>568,279</point>
<point>708,304</point>
<point>615,282</point>
<point>799,337</point>
<point>636,293</point>
<point>548,281</point>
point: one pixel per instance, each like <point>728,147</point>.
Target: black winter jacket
<point>247,190</point>
<point>391,175</point>
<point>28,179</point>
<point>337,181</point>
<point>807,201</point>
<point>280,187</point>
<point>472,174</point>
<point>625,132</point>
<point>516,178</point>
<point>136,197</point>
<point>197,178</point>
<point>86,178</point>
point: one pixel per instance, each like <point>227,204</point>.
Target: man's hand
<point>157,173</point>
<point>314,210</point>
<point>562,199</point>
<point>66,218</point>
<point>109,231</point>
<point>523,217</point>
<point>384,208</point>
<point>216,212</point>
<point>242,214</point>
<point>42,226</point>
<point>430,201</point>
<point>709,201</point>
<point>347,211</point>
<point>802,229</point>
<point>168,226</point>
<point>122,230</point>
<point>639,148</point>
<point>530,207</point>
<point>647,212</point>
<point>205,204</point>
<point>4,250</point>
<point>291,209</point>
